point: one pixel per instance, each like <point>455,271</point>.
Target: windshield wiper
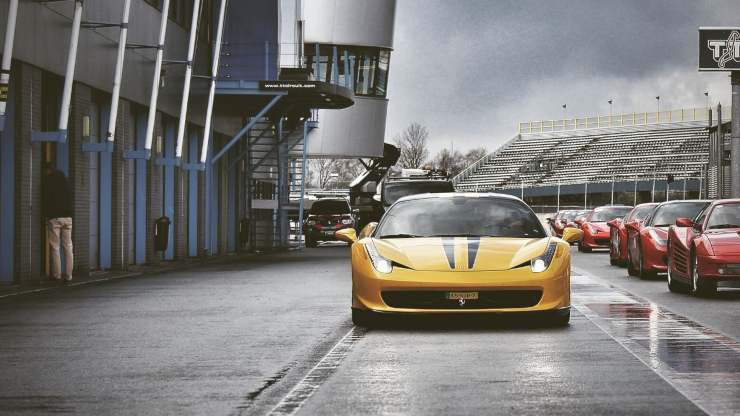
<point>400,236</point>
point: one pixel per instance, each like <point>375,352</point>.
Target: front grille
<point>490,299</point>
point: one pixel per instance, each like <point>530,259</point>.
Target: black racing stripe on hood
<point>473,245</point>
<point>448,243</point>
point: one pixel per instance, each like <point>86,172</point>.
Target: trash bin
<point>243,231</point>
<point>161,233</point>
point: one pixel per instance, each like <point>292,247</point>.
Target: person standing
<point>57,201</point>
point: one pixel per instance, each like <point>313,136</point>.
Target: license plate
<point>328,232</point>
<point>462,295</point>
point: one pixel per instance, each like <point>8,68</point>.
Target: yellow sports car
<point>459,253</point>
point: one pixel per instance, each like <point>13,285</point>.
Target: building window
<point>368,67</point>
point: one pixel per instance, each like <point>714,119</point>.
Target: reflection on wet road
<point>702,364</point>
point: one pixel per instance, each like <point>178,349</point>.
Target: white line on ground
<point>296,397</point>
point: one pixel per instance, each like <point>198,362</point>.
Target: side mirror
<point>347,235</point>
<point>367,230</point>
<point>548,219</point>
<point>571,235</point>
<point>684,222</point>
<point>376,197</point>
<point>632,225</point>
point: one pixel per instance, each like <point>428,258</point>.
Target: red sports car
<point>561,220</point>
<point>618,232</point>
<point>595,230</point>
<point>705,250</point>
<point>646,241</point>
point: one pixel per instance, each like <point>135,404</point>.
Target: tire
<point>310,242</point>
<point>630,268</point>
<point>673,285</point>
<point>583,249</point>
<point>699,285</point>
<point>641,272</point>
<point>613,261</point>
<point>364,318</point>
<point>559,318</point>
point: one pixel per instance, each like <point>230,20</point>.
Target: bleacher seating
<point>592,155</point>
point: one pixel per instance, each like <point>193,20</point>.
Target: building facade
<point>226,195</point>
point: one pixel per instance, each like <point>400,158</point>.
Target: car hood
<point>461,253</point>
<point>725,241</point>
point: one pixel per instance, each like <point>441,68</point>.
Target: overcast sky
<point>469,70</point>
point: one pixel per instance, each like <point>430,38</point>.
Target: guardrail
<point>616,120</point>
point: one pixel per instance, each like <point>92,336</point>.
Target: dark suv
<point>326,217</point>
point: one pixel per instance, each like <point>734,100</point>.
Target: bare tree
<point>451,161</point>
<point>413,145</point>
<point>320,170</point>
<point>474,155</point>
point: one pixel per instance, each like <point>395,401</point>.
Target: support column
<point>78,172</point>
<point>735,135</point>
<point>156,195</point>
<point>7,189</point>
<point>28,222</point>
<point>120,168</point>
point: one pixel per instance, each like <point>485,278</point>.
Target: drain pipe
<point>214,75</point>
<point>70,72</point>
<point>119,72</point>
<point>7,58</point>
<point>188,77</point>
<point>156,78</point>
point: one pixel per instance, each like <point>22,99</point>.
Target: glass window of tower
<point>367,67</point>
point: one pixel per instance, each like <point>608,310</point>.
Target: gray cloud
<point>471,69</point>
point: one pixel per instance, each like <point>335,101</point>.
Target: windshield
<point>330,207</point>
<point>666,215</point>
<point>569,215</point>
<point>608,214</point>
<point>640,213</point>
<point>392,192</point>
<point>724,216</point>
<point>460,216</point>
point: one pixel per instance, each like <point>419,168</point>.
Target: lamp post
<point>610,101</point>
<point>657,114</point>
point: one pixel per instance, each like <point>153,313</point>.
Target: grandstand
<point>634,151</point>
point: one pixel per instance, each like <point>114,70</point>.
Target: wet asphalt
<point>274,335</point>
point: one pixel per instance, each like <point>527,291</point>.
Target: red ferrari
<point>618,232</point>
<point>595,230</point>
<point>561,220</point>
<point>705,250</point>
<point>646,241</point>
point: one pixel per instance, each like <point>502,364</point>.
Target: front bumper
<point>720,268</point>
<point>655,257</point>
<point>324,234</point>
<point>368,287</point>
<point>598,240</point>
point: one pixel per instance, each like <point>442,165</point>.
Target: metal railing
<point>465,173</point>
<point>615,120</point>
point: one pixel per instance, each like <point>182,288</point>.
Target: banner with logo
<point>719,48</point>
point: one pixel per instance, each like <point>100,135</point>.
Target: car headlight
<point>655,236</point>
<point>380,263</point>
<point>311,222</point>
<point>541,263</point>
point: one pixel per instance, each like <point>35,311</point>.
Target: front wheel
<point>673,285</point>
<point>363,318</point>
<point>630,264</point>
<point>700,286</point>
<point>310,242</point>
<point>559,318</point>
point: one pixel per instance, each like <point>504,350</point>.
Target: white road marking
<point>292,402</point>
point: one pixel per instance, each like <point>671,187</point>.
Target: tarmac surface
<point>273,335</point>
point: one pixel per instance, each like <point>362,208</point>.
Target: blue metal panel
<point>214,196</point>
<point>169,188</point>
<point>106,196</point>
<point>193,197</point>
<point>140,193</point>
<point>7,190</point>
<point>244,43</point>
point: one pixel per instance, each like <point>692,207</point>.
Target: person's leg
<point>53,229</point>
<point>66,225</point>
